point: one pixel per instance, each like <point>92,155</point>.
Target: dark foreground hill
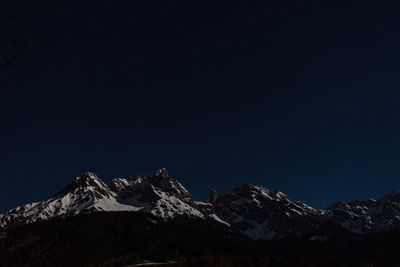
<point>125,238</point>
<point>117,239</point>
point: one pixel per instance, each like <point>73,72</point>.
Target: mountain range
<point>253,210</point>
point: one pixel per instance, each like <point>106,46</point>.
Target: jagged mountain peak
<point>337,205</point>
<point>393,196</point>
<point>161,181</point>
<point>246,189</point>
<point>250,191</point>
<point>149,186</point>
<point>87,176</point>
<point>162,173</point>
<point>89,179</point>
<point>88,182</point>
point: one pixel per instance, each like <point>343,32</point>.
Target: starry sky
<point>300,96</point>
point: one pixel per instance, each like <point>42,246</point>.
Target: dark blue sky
<point>302,96</point>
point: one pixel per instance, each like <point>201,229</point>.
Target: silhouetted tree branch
<point>13,36</point>
<point>15,16</point>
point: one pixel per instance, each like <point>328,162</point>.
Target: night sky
<point>300,96</point>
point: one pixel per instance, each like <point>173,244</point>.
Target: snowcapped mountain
<point>85,194</point>
<point>368,216</point>
<point>263,214</point>
<point>253,210</point>
<point>158,194</point>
